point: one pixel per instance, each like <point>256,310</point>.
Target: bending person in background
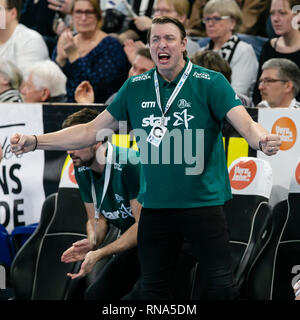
<point>10,82</point>
<point>222,19</point>
<point>91,54</point>
<point>287,44</point>
<point>279,84</point>
<point>108,170</point>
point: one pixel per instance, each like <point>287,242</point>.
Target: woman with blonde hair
<point>222,19</point>
<point>91,54</point>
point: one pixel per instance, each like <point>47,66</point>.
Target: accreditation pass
<point>156,135</point>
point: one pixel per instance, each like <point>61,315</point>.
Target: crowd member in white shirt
<point>222,19</point>
<point>19,44</point>
<point>279,84</point>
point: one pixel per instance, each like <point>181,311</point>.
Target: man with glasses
<point>279,84</point>
<point>18,43</point>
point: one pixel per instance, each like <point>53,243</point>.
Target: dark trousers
<point>160,236</point>
<point>117,277</point>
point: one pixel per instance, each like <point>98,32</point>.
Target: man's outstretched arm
<point>75,137</point>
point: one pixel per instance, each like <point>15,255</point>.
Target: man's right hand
<point>77,252</point>
<point>21,143</point>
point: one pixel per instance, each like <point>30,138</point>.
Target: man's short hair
<point>47,74</point>
<point>11,73</point>
<point>15,4</point>
<point>287,70</point>
<point>84,115</point>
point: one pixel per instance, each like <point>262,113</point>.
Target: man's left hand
<point>270,144</point>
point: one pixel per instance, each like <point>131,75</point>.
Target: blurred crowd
<point>83,50</point>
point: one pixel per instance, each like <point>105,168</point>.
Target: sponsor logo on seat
<point>242,174</point>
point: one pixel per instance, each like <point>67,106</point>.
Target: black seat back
<point>279,266</point>
<point>45,274</point>
<point>249,222</point>
<point>259,282</point>
<point>248,217</point>
<point>248,213</point>
<point>23,266</point>
<point>67,226</point>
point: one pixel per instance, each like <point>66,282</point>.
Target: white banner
<point>21,178</point>
<point>285,123</point>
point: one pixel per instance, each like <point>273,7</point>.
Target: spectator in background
<point>91,54</point>
<point>222,19</point>
<point>279,84</point>
<point>41,15</point>
<point>194,25</point>
<point>142,62</point>
<point>212,60</point>
<point>118,16</point>
<point>18,43</point>
<point>254,13</point>
<point>10,81</point>
<point>45,82</point>
<point>178,9</point>
<point>63,17</point>
<point>287,44</point>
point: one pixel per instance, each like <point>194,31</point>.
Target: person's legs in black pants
<point>159,243</point>
<point>206,230</point>
<point>160,237</point>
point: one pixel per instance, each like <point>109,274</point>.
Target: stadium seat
<point>24,263</point>
<point>6,256</point>
<point>248,213</point>
<point>274,273</point>
<point>37,272</point>
<point>6,249</point>
<point>248,216</point>
<point>20,235</point>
